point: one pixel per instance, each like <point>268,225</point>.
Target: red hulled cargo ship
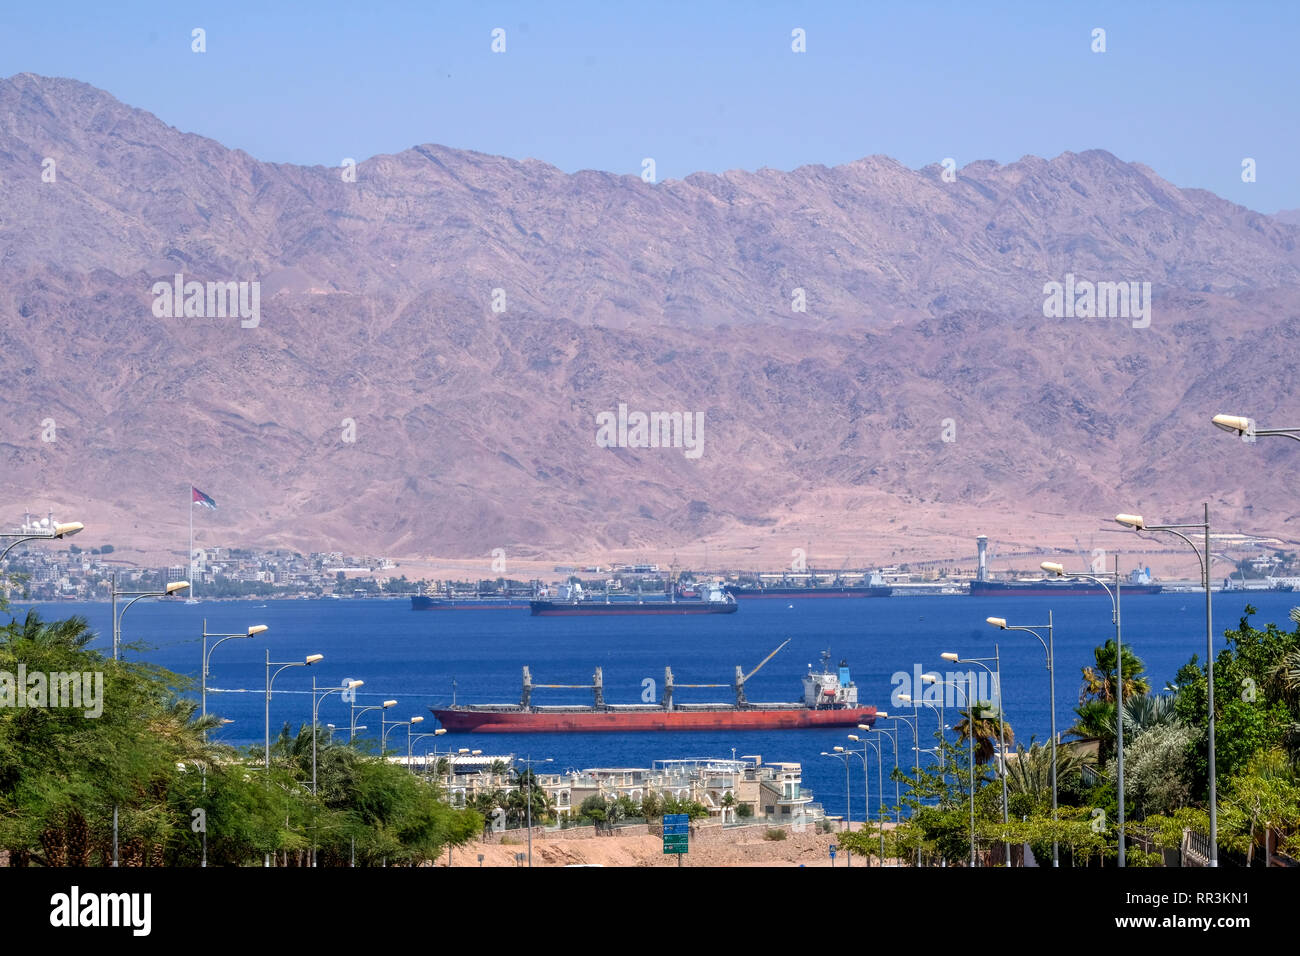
<point>830,699</point>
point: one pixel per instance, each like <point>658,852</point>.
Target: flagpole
<point>192,581</point>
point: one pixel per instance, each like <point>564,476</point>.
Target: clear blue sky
<point>1189,88</point>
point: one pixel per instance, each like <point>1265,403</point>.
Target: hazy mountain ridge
<point>476,430</point>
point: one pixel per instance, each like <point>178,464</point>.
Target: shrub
<point>775,834</point>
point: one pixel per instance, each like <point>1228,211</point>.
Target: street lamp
<point>171,588</point>
<point>349,685</point>
<point>1138,524</point>
<point>866,786</point>
<point>418,737</point>
<point>1246,429</point>
<point>352,723</point>
<point>848,799</point>
<point>63,530</point>
<point>1058,570</point>
<point>1002,733</point>
<point>1049,648</point>
<point>270,679</point>
<point>892,734</point>
<point>907,699</point>
<point>970,737</point>
<point>203,679</point>
<point>912,723</point>
<point>386,727</point>
<point>528,762</point>
<point>411,723</point>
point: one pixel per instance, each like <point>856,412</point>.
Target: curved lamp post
<point>1049,648</point>
<point>842,755</point>
<point>1138,524</point>
<point>61,530</point>
<point>315,716</point>
<point>1246,429</point>
<point>418,737</point>
<point>938,711</point>
<point>1002,733</point>
<point>527,762</point>
<point>203,680</point>
<point>386,727</point>
<point>352,724</point>
<point>970,737</point>
<point>866,786</point>
<point>270,680</point>
<point>170,589</point>
<point>1053,567</point>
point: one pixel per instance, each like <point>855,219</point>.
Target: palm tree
<point>1150,710</point>
<point>986,731</point>
<point>1030,771</point>
<point>1100,682</point>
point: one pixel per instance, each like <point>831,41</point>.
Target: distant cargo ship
<point>1139,582</point>
<point>830,699</point>
<point>572,602</point>
<point>875,588</point>
<point>425,602</point>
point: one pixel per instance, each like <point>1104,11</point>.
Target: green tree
<point>1101,680</point>
<point>985,731</point>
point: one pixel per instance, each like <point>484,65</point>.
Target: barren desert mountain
<point>435,337</point>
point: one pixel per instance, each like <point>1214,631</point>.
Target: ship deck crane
<point>597,687</point>
<point>738,685</point>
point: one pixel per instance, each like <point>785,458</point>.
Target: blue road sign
<point>677,833</point>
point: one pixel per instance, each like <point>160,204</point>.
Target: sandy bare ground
<point>642,849</point>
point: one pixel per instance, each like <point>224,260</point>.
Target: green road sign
<point>680,848</point>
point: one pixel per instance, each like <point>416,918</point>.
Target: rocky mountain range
<point>872,348</point>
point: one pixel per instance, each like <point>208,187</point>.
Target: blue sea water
<point>413,656</point>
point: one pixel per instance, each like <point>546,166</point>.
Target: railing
<point>1196,848</point>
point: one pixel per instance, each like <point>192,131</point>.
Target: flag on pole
<point>202,499</point>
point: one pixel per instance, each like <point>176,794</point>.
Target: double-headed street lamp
<point>1049,648</point>
<point>253,631</point>
<point>1245,427</point>
<point>1138,524</point>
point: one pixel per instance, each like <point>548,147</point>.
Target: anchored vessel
<point>874,588</point>
<point>449,600</point>
<point>830,699</point>
<point>572,602</point>
<point>425,602</point>
<point>1139,582</point>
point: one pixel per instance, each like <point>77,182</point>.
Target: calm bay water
<point>414,656</point>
